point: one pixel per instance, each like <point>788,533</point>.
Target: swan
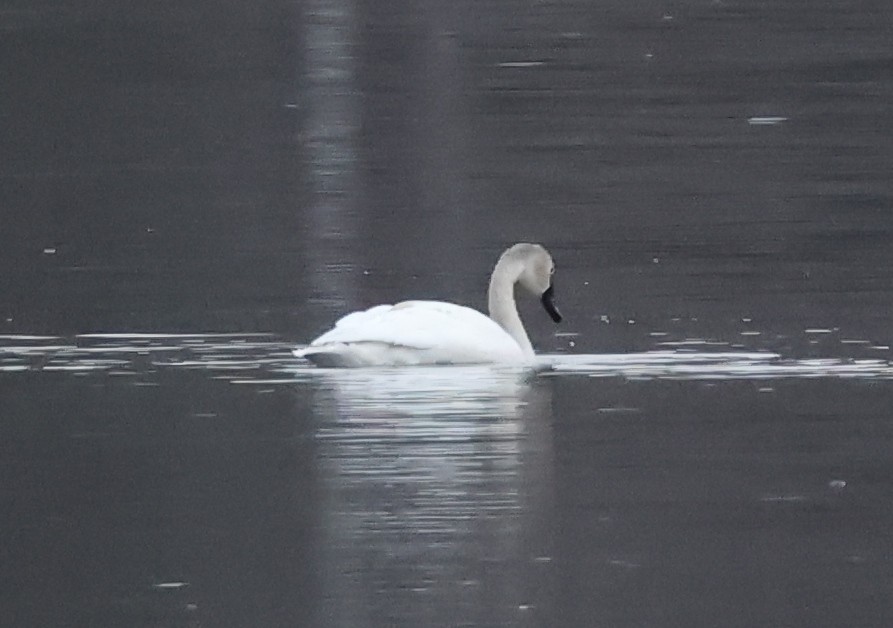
<point>434,332</point>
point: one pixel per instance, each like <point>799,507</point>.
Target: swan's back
<point>414,332</point>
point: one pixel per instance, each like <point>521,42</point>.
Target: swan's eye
<point>552,270</point>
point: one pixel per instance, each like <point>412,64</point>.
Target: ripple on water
<point>717,365</point>
<point>264,359</point>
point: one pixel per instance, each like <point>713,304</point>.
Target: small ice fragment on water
<point>524,607</point>
<point>290,105</point>
<point>765,120</point>
<point>746,320</point>
<point>766,389</point>
<point>520,64</point>
<point>192,607</point>
<point>366,272</point>
<point>543,559</point>
<point>655,260</point>
<point>170,585</point>
<point>604,318</point>
<point>837,485</point>
<point>571,344</point>
<point>750,333</point>
<point>657,333</point>
<point>49,250</point>
<point>815,330</point>
<point>585,283</point>
<point>631,321</point>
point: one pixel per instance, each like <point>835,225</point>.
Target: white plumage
<point>434,332</point>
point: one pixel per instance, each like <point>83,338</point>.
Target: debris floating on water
<point>170,585</point>
<point>765,120</point>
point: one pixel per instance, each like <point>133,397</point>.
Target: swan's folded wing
<point>428,325</point>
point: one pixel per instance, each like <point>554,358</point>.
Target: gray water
<point>190,190</point>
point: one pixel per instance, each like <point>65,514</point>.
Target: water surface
<point>195,479</point>
<point>189,191</point>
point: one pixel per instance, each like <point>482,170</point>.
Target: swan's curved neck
<point>501,301</point>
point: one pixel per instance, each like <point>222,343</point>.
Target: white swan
<point>434,332</point>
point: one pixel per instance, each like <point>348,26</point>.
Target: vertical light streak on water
<point>330,130</point>
<point>436,487</point>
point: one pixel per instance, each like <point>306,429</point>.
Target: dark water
<point>710,177</point>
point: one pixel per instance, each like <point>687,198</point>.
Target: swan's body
<point>414,332</point>
<point>434,332</point>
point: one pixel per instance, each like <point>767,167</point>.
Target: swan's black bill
<point>549,304</point>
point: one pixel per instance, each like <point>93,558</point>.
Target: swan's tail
<point>325,357</point>
<point>335,355</point>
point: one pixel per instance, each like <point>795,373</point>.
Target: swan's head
<point>536,274</point>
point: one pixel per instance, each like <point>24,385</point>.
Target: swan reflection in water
<point>436,483</point>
